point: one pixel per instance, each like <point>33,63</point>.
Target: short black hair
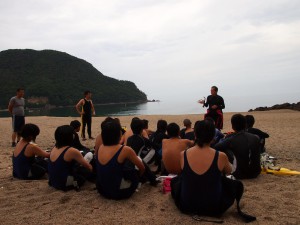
<point>162,126</point>
<point>111,132</point>
<point>215,87</point>
<point>86,93</point>
<point>64,136</point>
<point>204,132</point>
<point>249,121</point>
<point>137,126</point>
<point>238,122</point>
<point>187,123</point>
<point>20,89</point>
<point>75,124</point>
<point>173,130</point>
<point>30,130</point>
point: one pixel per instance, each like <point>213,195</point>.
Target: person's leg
<point>89,126</point>
<point>83,120</point>
<point>20,125</point>
<point>14,133</point>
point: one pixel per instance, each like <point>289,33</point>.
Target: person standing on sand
<point>215,104</point>
<point>86,109</point>
<point>16,108</point>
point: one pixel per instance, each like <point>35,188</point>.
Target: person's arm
<point>78,107</point>
<point>98,143</point>
<point>93,109</point>
<point>145,134</point>
<point>130,154</point>
<point>262,134</point>
<point>39,152</point>
<point>76,155</point>
<point>10,105</point>
<point>222,104</point>
<point>223,146</point>
<point>227,167</point>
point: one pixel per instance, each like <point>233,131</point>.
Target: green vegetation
<point>56,78</point>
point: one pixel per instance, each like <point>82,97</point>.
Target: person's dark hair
<point>107,119</point>
<point>146,123</point>
<point>64,136</point>
<point>86,93</point>
<point>173,130</point>
<point>137,126</point>
<point>111,132</point>
<point>30,131</point>
<point>215,88</point>
<point>187,123</point>
<point>249,121</point>
<point>162,126</point>
<point>204,132</point>
<point>238,122</point>
<point>210,119</point>
<point>75,124</point>
<point>20,89</point>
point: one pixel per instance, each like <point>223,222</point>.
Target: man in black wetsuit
<point>215,105</point>
<point>244,146</point>
<point>86,109</point>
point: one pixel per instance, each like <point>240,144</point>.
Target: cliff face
<point>57,78</point>
<point>293,106</point>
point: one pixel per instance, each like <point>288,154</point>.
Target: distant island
<point>293,106</point>
<point>52,78</point>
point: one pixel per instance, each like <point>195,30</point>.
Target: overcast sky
<point>174,50</point>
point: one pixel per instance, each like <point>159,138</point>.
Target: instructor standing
<point>86,109</point>
<point>16,108</point>
<point>215,104</point>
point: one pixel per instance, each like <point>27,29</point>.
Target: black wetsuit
<point>262,136</point>
<point>215,114</point>
<point>189,135</point>
<point>246,148</point>
<point>87,118</point>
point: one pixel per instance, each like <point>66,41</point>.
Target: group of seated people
<point>121,160</point>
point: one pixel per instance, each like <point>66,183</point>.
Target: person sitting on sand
<point>129,132</point>
<point>200,188</point>
<point>262,135</point>
<point>156,139</point>
<point>25,163</point>
<point>171,149</point>
<point>187,132</point>
<point>67,168</point>
<point>218,134</point>
<point>76,141</point>
<point>245,148</point>
<point>114,180</point>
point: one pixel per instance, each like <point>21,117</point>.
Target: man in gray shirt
<point>16,108</point>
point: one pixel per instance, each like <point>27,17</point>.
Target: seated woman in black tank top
<point>25,163</point>
<point>200,188</point>
<point>67,168</point>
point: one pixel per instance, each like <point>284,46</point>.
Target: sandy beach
<point>272,199</point>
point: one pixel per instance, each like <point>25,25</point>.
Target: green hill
<point>57,78</point>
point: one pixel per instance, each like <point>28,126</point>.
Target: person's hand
<point>94,114</point>
<point>81,113</point>
<point>201,101</point>
<point>214,107</point>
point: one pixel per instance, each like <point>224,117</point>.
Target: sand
<point>272,199</point>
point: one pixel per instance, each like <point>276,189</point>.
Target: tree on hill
<point>59,79</point>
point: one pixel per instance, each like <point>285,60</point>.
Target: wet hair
<point>215,88</point>
<point>86,93</point>
<point>64,136</point>
<point>238,122</point>
<point>137,126</point>
<point>20,89</point>
<point>162,126</point>
<point>249,121</point>
<point>204,132</point>
<point>187,123</point>
<point>75,124</point>
<point>146,123</point>
<point>173,130</point>
<point>30,130</point>
<point>111,132</point>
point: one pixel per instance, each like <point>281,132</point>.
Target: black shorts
<point>18,122</point>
